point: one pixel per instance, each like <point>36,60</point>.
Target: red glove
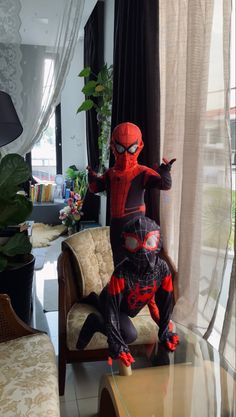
<point>171,342</point>
<point>126,358</point>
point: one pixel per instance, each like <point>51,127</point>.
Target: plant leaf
<point>19,244</point>
<point>89,87</point>
<point>86,105</point>
<point>85,72</point>
<point>13,172</point>
<point>71,173</point>
<point>99,88</point>
<point>15,210</point>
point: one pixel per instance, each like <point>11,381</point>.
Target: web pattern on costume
<point>140,228</point>
<point>138,289</point>
<point>140,280</point>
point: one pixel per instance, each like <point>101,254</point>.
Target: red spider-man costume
<point>143,278</point>
<point>127,181</point>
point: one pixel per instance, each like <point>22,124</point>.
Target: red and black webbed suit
<point>143,278</point>
<point>127,181</point>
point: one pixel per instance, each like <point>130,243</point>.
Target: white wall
<point>109,6</point>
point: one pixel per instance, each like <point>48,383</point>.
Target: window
<point>43,155</point>
<point>46,154</point>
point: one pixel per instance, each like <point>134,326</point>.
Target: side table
<point>197,383</point>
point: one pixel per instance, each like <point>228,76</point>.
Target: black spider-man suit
<point>143,278</point>
<point>127,182</point>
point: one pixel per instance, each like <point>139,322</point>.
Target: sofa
<point>28,377</point>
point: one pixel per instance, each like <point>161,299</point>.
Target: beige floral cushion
<point>28,378</point>
<point>146,328</point>
<point>92,250</point>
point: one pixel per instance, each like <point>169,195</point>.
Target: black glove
<point>166,165</point>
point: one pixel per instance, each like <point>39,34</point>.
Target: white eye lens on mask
<point>131,243</point>
<point>119,148</point>
<point>152,241</point>
<point>133,148</point>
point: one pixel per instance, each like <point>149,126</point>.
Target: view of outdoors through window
<point>43,153</point>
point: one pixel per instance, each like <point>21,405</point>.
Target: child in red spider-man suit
<point>143,278</point>
<point>127,182</point>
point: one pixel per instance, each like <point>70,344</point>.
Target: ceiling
<point>40,20</point>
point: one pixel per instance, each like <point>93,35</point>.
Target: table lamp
<point>10,125</point>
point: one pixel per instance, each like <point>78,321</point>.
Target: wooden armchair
<point>84,265</point>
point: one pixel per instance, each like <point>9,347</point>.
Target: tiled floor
<point>82,380</point>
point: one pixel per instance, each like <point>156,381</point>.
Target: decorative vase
<point>70,230</point>
<point>74,228</point>
<point>17,282</point>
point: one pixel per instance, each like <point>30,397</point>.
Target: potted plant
<point>98,94</point>
<point>16,260</point>
<point>71,214</point>
<point>79,180</point>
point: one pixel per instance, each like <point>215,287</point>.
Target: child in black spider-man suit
<point>143,278</point>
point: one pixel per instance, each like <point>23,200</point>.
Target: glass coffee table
<point>193,381</point>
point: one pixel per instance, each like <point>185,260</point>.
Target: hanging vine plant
<point>98,95</point>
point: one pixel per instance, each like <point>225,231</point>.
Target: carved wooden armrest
<point>11,326</point>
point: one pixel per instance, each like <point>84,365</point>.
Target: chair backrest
<point>92,255</point>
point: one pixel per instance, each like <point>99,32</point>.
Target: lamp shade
<point>10,125</point>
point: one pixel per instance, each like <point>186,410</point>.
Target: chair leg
<point>62,372</point>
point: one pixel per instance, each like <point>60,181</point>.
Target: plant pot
<point>74,229</point>
<point>70,231</point>
<point>17,282</point>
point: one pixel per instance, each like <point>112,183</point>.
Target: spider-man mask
<point>126,145</point>
<point>142,241</point>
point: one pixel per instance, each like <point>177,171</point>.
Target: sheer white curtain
<point>196,213</point>
<point>35,55</point>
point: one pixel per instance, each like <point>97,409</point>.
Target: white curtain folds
<point>196,213</point>
<point>36,47</point>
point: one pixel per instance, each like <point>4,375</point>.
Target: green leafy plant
<point>14,208</point>
<point>80,179</point>
<point>98,95</point>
